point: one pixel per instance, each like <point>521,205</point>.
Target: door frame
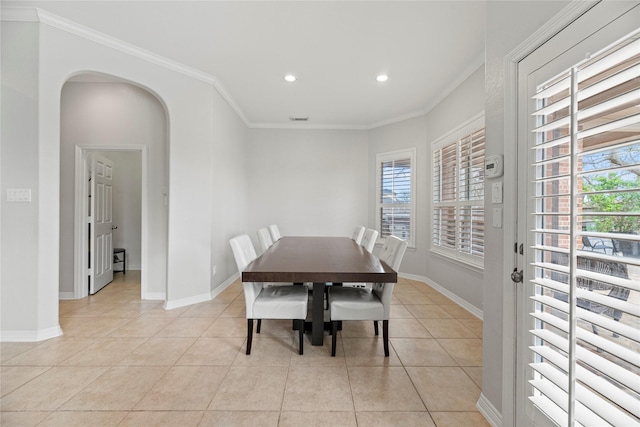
<point>510,300</point>
<point>81,235</point>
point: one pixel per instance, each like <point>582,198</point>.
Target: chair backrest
<point>392,252</point>
<point>358,233</point>
<point>265,239</point>
<point>244,253</point>
<point>275,232</point>
<point>369,239</point>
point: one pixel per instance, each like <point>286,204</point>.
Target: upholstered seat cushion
<point>281,302</point>
<point>354,304</point>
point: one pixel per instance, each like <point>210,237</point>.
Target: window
<point>586,213</point>
<point>458,193</point>
<point>395,184</point>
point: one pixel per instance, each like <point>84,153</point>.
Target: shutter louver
<point>586,352</point>
<point>395,201</point>
<point>458,195</point>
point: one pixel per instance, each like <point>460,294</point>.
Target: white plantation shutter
<point>471,221</point>
<point>395,189</point>
<point>458,193</point>
<point>586,341</point>
<point>445,165</point>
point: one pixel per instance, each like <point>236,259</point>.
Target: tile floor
<point>127,362</point>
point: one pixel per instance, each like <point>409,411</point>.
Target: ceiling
<point>335,48</point>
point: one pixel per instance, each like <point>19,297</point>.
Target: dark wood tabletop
<point>318,260</point>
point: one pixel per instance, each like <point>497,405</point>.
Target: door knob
<point>516,275</point>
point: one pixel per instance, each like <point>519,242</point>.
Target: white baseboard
<point>30,336</point>
<point>170,305</point>
<point>489,411</point>
<point>155,296</point>
<point>470,308</point>
<point>224,285</point>
<point>66,295</point>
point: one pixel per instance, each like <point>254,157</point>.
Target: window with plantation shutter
<point>395,210</point>
<point>458,193</point>
<point>585,352</point>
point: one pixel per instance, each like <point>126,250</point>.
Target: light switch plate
<point>497,217</point>
<point>496,192</point>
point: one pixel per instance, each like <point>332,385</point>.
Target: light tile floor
<point>127,362</point>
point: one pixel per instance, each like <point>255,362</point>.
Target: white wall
<point>411,133</point>
<point>463,103</point>
<point>116,114</point>
<point>34,71</point>
<point>466,101</point>
<point>229,189</point>
<point>21,279</point>
<point>308,182</point>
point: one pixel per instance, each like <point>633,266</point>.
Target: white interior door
<point>101,222</point>
<point>578,332</point>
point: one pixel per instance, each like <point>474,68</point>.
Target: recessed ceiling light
<point>290,78</point>
<point>382,78</point>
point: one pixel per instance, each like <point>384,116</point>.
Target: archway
<point>104,113</point>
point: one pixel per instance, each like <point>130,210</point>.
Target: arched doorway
<point>101,113</point>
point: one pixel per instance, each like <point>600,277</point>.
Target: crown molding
<point>553,26</point>
<point>472,68</point>
<point>24,14</point>
<point>18,14</point>
<point>333,126</point>
<point>31,14</point>
<point>307,126</point>
<point>397,119</point>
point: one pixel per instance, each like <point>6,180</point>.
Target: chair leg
<point>334,334</point>
<point>375,327</point>
<point>249,334</point>
<point>259,325</point>
<point>301,335</point>
<point>385,336</point>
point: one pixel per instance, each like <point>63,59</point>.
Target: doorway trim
<point>80,245</point>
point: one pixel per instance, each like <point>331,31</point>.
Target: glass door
<point>579,205</point>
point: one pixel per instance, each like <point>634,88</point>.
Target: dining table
<point>320,260</point>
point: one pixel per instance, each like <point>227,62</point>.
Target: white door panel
<point>101,223</point>
<point>558,358</point>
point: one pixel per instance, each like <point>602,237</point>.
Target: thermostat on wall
<point>493,166</point>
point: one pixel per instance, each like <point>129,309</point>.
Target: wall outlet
<point>214,270</point>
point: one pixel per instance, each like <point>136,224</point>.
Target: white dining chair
<point>264,237</point>
<point>346,303</point>
<point>357,234</point>
<point>274,302</point>
<point>369,239</point>
<point>275,232</point>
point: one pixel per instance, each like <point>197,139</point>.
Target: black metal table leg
<point>317,314</point>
